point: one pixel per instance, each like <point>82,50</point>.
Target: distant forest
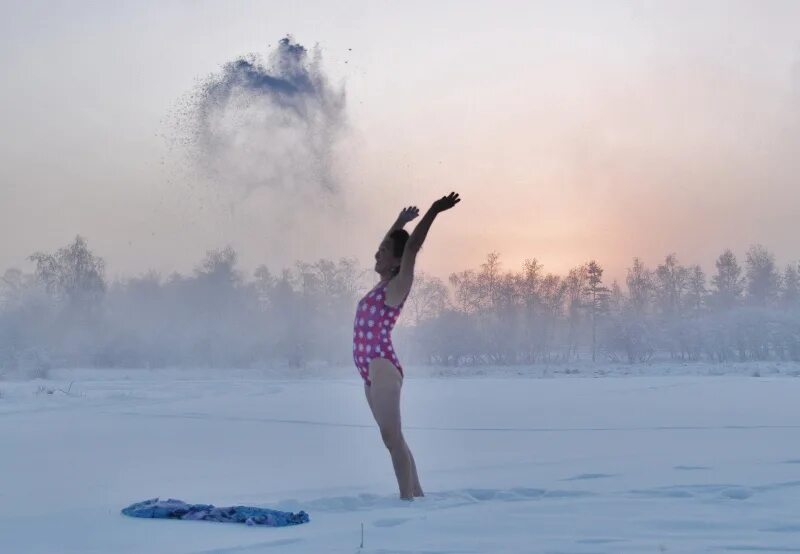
<point>65,313</point>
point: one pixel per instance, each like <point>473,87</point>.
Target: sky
<point>572,131</point>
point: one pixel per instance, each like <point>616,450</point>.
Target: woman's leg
<point>383,397</point>
<point>415,484</point>
<point>414,477</point>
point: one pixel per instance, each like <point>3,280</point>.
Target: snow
<point>686,462</point>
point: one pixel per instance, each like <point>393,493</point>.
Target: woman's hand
<point>446,202</point>
<point>421,230</point>
<point>408,214</point>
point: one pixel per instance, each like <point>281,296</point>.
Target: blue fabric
<point>177,509</point>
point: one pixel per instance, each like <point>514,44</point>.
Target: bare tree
<point>428,299</point>
<point>466,291</point>
<point>763,280</point>
<point>640,287</point>
<point>696,289</point>
<point>489,279</point>
<point>728,282</point>
<point>790,291</point>
<point>671,282</point>
<point>553,290</point>
<point>73,274</point>
<point>575,285</point>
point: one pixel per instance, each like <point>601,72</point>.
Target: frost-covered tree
<point>640,287</point>
<point>466,291</point>
<point>790,290</point>
<point>728,283</point>
<point>616,299</point>
<point>72,274</point>
<point>596,299</point>
<point>428,299</point>
<point>65,312</point>
<point>763,280</point>
<point>575,285</point>
<point>671,283</point>
<point>630,330</point>
<point>12,287</point>
<point>488,280</point>
<point>552,292</point>
<point>695,289</point>
<point>73,279</point>
<point>263,282</point>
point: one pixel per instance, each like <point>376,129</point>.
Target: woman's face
<point>385,260</point>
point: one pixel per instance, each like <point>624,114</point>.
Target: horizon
<point>248,272</point>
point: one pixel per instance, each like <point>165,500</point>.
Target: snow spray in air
<point>266,126</point>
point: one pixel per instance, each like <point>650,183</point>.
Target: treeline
<point>743,312</point>
<point>65,313</point>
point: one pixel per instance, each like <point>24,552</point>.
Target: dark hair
<point>399,239</point>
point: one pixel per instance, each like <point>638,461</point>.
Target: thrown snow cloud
<point>255,126</point>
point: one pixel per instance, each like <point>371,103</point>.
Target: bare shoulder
<point>397,290</point>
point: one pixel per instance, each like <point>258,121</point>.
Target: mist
<point>67,314</point>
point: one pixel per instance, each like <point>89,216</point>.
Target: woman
<point>373,352</point>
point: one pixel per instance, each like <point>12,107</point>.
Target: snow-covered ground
<point>679,463</point>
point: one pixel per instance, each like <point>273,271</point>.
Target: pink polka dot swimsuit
<point>372,330</point>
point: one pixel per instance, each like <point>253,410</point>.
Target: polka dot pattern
<point>372,314</point>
